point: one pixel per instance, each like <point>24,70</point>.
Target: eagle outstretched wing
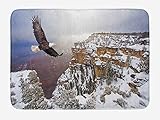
<point>41,38</point>
<point>39,34</point>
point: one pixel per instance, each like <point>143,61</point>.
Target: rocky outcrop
<point>102,67</point>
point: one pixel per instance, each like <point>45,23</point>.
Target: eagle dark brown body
<point>41,38</point>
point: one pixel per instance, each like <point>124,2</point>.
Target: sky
<point>76,25</point>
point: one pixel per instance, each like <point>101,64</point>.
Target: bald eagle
<point>41,39</point>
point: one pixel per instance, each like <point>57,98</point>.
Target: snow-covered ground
<point>15,84</point>
<point>124,84</point>
<point>26,91</point>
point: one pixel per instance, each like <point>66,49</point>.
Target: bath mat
<point>79,59</point>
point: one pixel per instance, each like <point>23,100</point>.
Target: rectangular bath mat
<point>79,59</point>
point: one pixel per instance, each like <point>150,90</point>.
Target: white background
<point>8,112</point>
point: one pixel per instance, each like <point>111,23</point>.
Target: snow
<point>120,58</point>
<point>15,78</point>
<point>144,90</point>
<point>132,102</point>
<point>136,47</point>
<point>94,54</point>
<point>98,62</point>
<point>106,55</point>
<point>122,85</point>
<point>142,75</point>
<point>109,104</point>
<point>92,46</point>
<point>65,76</point>
<point>135,62</point>
<point>81,99</point>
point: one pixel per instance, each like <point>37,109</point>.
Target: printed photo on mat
<point>79,59</point>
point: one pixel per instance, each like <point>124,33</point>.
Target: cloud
<point>60,23</point>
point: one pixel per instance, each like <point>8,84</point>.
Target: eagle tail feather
<point>35,48</point>
<point>60,54</point>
